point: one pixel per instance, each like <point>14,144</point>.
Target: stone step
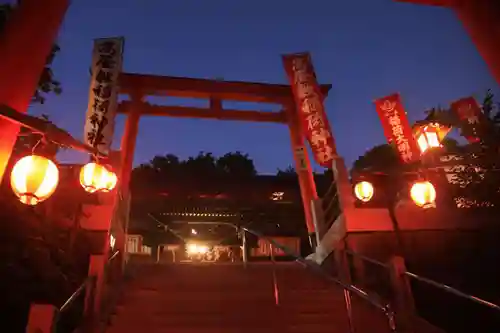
<point>231,299</point>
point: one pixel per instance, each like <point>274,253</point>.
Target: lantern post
<point>25,43</point>
<point>422,193</point>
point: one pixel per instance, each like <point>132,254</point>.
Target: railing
<point>348,289</point>
<point>409,275</point>
<point>80,311</point>
<point>330,207</point>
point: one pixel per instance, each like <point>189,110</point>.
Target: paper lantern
<point>423,194</point>
<point>34,179</point>
<point>96,177</point>
<point>364,191</point>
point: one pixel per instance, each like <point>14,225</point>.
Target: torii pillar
<point>481,19</point>
<point>25,43</point>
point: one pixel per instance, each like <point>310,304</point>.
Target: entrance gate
<point>138,87</point>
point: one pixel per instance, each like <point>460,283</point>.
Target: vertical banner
<point>397,129</point>
<point>107,59</point>
<point>311,111</point>
<point>469,113</point>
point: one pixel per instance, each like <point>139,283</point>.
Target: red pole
<point>128,143</point>
<point>481,20</point>
<point>304,170</point>
<point>25,43</point>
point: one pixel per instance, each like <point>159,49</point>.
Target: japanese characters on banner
<point>310,107</point>
<point>397,128</point>
<point>469,113</point>
<point>107,58</point>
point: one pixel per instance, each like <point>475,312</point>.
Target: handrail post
<point>94,295</point>
<point>244,247</point>
<point>403,296</point>
<point>42,318</point>
<point>344,273</point>
<point>275,279</point>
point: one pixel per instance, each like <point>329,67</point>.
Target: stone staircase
<point>228,298</point>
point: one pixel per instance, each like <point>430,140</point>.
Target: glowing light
<point>34,179</point>
<point>202,249</point>
<point>364,191</point>
<point>112,241</point>
<point>277,196</point>
<point>95,177</point>
<point>423,194</point>
<point>430,136</point>
<point>194,232</point>
<point>196,249</point>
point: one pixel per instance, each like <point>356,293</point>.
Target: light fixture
<point>364,191</point>
<point>34,179</point>
<point>430,135</point>
<point>423,194</point>
<point>277,196</point>
<point>96,177</point>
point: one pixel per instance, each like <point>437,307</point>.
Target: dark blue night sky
<point>365,48</point>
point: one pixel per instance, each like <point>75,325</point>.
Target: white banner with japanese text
<point>107,60</point>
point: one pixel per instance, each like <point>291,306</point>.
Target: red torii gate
<point>138,86</point>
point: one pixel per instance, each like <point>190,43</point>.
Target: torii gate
<point>138,86</point>
<point>39,25</point>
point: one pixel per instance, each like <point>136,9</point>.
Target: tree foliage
<point>287,172</point>
<point>199,168</point>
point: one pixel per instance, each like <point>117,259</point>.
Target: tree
<point>288,172</point>
<point>487,129</point>
<point>379,158</point>
<point>476,180</point>
<point>204,166</point>
<point>236,165</point>
<point>385,157</point>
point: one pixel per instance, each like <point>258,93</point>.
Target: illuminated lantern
<point>34,179</point>
<point>430,135</point>
<point>364,191</point>
<point>423,194</point>
<point>96,177</point>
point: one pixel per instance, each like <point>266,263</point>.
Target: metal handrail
<point>275,278</point>
<point>453,291</point>
<point>367,259</point>
<point>370,298</point>
<point>88,281</point>
<point>113,256</point>
<point>430,282</point>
